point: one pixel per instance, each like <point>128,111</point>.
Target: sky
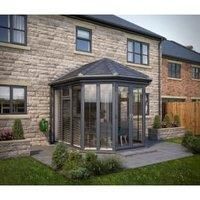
<point>184,29</point>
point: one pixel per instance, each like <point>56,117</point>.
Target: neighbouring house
<point>180,73</point>
<point>95,78</point>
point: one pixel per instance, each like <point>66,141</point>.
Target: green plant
<point>192,143</point>
<point>110,165</point>
<point>157,122</point>
<point>177,121</point>
<point>17,130</point>
<point>59,156</point>
<point>6,134</point>
<point>79,173</point>
<point>166,122</point>
<point>92,163</point>
<point>43,126</point>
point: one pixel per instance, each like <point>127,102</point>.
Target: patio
<point>150,154</point>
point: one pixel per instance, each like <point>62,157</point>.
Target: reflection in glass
<point>90,115</point>
<point>137,111</point>
<point>106,115</point>
<point>83,45</point>
<point>123,125</point>
<point>18,93</point>
<point>4,99</point>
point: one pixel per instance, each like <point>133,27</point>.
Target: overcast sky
<point>184,29</point>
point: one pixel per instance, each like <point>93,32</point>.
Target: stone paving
<point>151,154</point>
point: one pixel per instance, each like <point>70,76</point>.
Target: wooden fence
<point>189,113</point>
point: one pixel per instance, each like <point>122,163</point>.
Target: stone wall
<point>185,87</point>
<point>13,148</point>
<point>165,133</point>
<point>50,53</point>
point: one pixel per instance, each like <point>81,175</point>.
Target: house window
<point>12,100</point>
<point>174,70</point>
<point>196,72</point>
<point>138,52</point>
<point>13,29</point>
<point>83,39</point>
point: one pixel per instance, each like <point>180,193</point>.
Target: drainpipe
<point>159,77</point>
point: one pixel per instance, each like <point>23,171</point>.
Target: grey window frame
<point>177,71</point>
<point>196,73</point>
<point>141,53</point>
<point>83,39</point>
<point>11,100</point>
<point>12,29</point>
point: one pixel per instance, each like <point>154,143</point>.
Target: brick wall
<point>52,53</point>
<point>185,87</point>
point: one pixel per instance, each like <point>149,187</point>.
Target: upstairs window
<point>196,72</point>
<point>174,70</point>
<point>13,29</point>
<point>138,52</point>
<point>83,39</point>
<point>12,99</point>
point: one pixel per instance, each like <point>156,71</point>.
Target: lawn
<point>27,170</point>
<point>177,140</point>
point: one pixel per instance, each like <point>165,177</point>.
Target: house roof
<point>178,51</point>
<point>117,22</point>
<point>103,69</point>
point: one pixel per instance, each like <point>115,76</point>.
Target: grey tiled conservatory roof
<point>101,69</point>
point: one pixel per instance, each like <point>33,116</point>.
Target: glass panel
<point>83,34</point>
<point>83,45</point>
<point>144,49</point>
<point>137,48</point>
<point>90,115</point>
<point>18,22</point>
<point>5,20</point>
<point>144,60</point>
<point>18,93</point>
<point>123,125</point>
<point>137,58</point>
<point>18,37</point>
<point>4,93</point>
<point>18,106</point>
<point>66,121</point>
<point>147,104</point>
<point>130,57</point>
<point>4,35</point>
<point>76,117</point>
<point>137,111</point>
<point>57,115</point>
<point>106,115</point>
<point>65,91</point>
<point>130,46</point>
<point>4,106</point>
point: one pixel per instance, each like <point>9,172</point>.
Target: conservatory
<point>99,106</point>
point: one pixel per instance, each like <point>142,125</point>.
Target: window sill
<point>138,65</point>
<point>14,116</point>
<point>15,46</point>
<point>195,79</point>
<point>175,79</point>
<point>84,53</point>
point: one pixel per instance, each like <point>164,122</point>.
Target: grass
<point>177,140</point>
<point>26,170</point>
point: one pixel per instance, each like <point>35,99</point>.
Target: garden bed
<point>165,133</point>
<point>14,148</point>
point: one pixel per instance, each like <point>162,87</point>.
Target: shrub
<point>43,126</point>
<point>177,121</point>
<point>192,143</point>
<point>110,165</point>
<point>79,173</point>
<point>166,122</point>
<point>6,134</point>
<point>157,122</point>
<point>92,163</point>
<point>59,156</point>
<point>74,161</point>
<point>17,129</point>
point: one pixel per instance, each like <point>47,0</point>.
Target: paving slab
<point>150,154</point>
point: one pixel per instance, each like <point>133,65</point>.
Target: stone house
<point>180,77</point>
<point>35,51</point>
